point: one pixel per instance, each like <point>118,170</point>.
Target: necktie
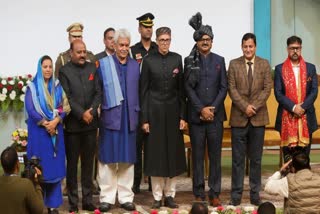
<point>250,78</point>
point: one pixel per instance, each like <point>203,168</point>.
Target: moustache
<point>205,45</point>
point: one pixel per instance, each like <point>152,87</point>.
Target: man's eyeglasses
<point>207,40</point>
<point>163,41</point>
<point>295,49</point>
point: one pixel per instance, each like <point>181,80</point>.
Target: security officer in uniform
<point>75,32</point>
<point>145,46</point>
<point>138,52</point>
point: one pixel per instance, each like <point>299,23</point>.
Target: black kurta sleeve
<point>144,91</point>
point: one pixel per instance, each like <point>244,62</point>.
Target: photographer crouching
<point>19,195</point>
<point>299,186</point>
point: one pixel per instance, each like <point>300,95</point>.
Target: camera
<point>29,168</point>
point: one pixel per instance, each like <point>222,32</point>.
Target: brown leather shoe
<point>215,202</point>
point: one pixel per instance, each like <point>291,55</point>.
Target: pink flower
<point>154,212</point>
<point>29,76</point>
<point>10,78</point>
<point>254,212</point>
<point>238,211</point>
<point>96,211</point>
<point>220,208</point>
<point>175,212</point>
<point>175,72</point>
<point>135,212</point>
<point>20,85</point>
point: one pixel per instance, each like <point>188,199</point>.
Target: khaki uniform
<point>65,57</point>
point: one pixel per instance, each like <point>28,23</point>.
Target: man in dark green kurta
<point>163,118</point>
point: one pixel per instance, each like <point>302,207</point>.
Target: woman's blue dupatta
<point>43,95</point>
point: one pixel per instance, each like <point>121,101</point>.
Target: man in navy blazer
<point>206,87</point>
<point>296,89</point>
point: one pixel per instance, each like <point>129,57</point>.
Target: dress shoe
<point>88,207</point>
<point>234,202</point>
<point>104,207</point>
<point>136,189</point>
<point>156,204</point>
<point>169,202</point>
<point>256,202</point>
<point>215,202</point>
<point>129,206</point>
<point>52,211</point>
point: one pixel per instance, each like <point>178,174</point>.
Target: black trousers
<point>248,140</point>
<point>140,139</point>
<point>210,135</point>
<point>81,145</point>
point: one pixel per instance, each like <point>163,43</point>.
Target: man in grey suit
<point>249,82</point>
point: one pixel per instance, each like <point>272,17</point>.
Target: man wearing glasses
<point>206,86</point>
<point>163,118</point>
<point>296,89</point>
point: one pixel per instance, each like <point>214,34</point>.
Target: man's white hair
<point>122,33</point>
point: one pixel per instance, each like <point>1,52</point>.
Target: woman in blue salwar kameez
<point>46,105</point>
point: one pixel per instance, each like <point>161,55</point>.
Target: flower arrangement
<point>19,138</point>
<point>234,210</point>
<point>12,92</point>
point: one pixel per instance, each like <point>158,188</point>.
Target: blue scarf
<point>111,84</point>
<point>46,100</point>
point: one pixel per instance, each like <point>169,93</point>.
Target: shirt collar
<point>252,60</point>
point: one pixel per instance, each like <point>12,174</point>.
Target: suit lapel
<point>256,69</point>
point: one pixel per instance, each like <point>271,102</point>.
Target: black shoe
<point>129,206</point>
<point>234,202</point>
<point>256,202</point>
<point>169,202</point>
<point>52,211</point>
<point>104,207</point>
<point>136,189</point>
<point>156,204</point>
<point>88,207</point>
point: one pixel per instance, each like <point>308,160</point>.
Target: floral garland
<point>12,92</point>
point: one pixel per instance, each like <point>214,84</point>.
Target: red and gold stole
<point>294,130</point>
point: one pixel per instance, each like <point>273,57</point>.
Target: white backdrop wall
<point>30,29</point>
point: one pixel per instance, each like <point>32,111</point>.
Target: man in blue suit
<point>296,89</point>
<point>206,87</point>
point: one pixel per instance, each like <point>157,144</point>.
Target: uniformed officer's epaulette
<point>64,53</point>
